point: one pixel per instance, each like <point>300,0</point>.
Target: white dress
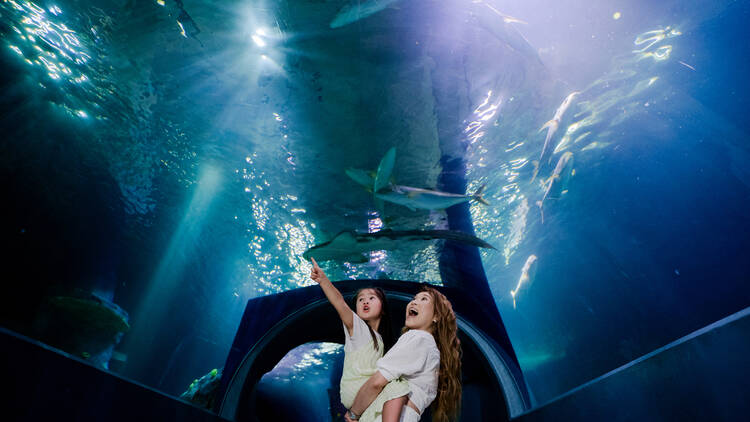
<point>360,359</point>
<point>415,358</point>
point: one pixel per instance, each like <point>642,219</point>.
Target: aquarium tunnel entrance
<point>491,378</point>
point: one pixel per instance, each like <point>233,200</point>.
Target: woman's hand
<point>317,274</point>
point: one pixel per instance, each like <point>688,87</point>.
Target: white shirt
<point>416,358</point>
<point>360,334</point>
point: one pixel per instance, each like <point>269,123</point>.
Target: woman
<point>427,356</point>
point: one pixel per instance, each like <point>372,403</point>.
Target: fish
<point>558,182</point>
<point>358,10</point>
<point>505,32</point>
<point>528,273</point>
<point>413,198</point>
<point>552,126</point>
<point>362,177</point>
<point>385,169</point>
<point>595,144</point>
<point>427,199</point>
<point>350,246</point>
<point>687,65</point>
<point>506,18</point>
<point>188,27</point>
<point>375,181</point>
<point>531,362</point>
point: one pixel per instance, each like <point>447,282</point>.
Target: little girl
<point>363,347</point>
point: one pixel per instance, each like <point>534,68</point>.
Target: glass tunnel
<point>573,176</point>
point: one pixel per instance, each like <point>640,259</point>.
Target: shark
<point>427,199</point>
<point>350,246</point>
<point>551,127</point>
<point>528,273</point>
<point>413,198</point>
<point>557,184</point>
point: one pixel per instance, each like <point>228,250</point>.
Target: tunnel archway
<point>493,386</point>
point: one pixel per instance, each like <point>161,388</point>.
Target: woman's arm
<point>392,408</point>
<point>334,295</point>
<point>368,393</point>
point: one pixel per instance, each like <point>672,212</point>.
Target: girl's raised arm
<point>333,294</point>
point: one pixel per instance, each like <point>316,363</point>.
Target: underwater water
<point>177,158</point>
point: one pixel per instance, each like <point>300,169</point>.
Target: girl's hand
<point>317,274</point>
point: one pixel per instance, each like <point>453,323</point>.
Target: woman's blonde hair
<point>447,403</point>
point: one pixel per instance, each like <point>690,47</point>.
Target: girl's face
<point>420,312</point>
<point>369,305</point>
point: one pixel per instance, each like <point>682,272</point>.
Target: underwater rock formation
<point>83,324</point>
<point>202,391</point>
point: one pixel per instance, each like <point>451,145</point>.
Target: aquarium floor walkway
<point>43,383</point>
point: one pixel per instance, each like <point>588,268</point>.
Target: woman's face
<point>420,312</point>
<point>368,305</point>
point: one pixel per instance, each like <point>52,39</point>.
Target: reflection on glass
<point>60,50</point>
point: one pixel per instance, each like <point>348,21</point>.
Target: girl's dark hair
<point>384,328</point>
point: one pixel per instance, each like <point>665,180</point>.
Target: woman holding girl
<point>365,331</point>
<point>427,356</point>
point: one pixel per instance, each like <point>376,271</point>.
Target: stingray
<point>350,246</point>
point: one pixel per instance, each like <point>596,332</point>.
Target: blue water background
<point>183,175</point>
